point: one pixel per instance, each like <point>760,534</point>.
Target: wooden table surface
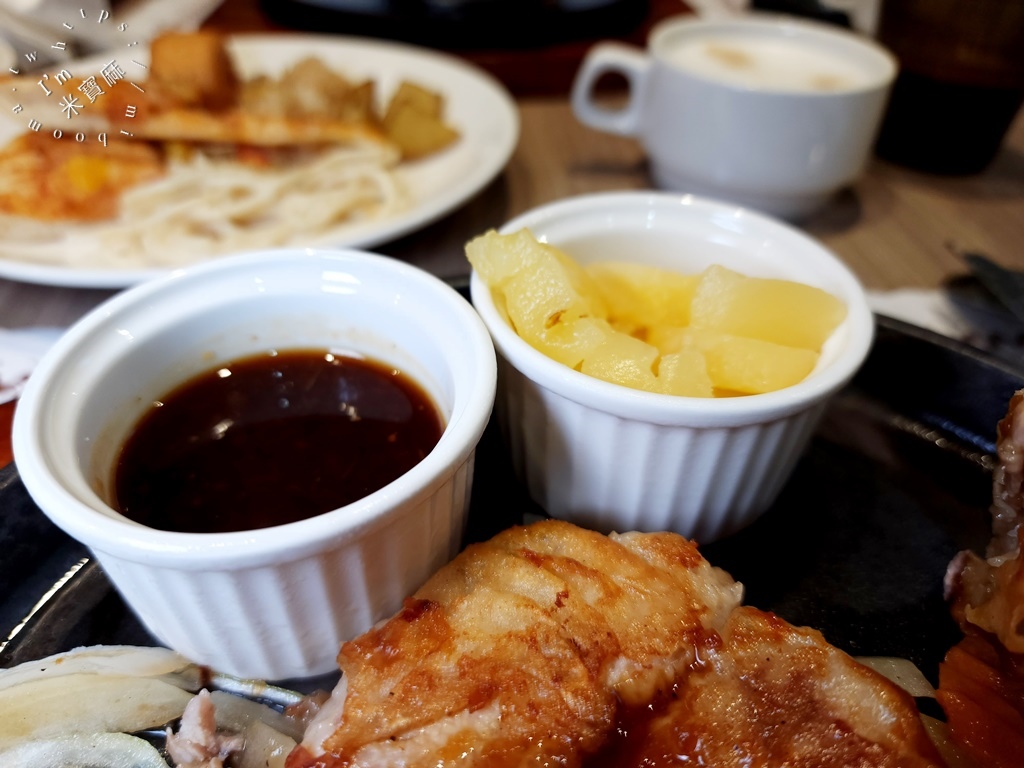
<point>895,227</point>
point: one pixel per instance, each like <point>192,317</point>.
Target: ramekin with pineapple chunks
<point>664,359</point>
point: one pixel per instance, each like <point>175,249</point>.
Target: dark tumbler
<point>960,85</point>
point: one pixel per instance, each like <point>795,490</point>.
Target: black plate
<point>897,479</point>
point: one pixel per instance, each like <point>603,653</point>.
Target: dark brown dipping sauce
<point>272,439</point>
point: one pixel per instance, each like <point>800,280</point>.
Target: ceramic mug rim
<point>881,65</point>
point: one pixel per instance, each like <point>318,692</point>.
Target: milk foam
<point>767,64</point>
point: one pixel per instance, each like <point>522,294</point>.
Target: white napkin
<point>20,351</point>
<point>929,309</point>
<point>961,314</point>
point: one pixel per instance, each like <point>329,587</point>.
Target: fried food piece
<point>414,120</point>
<point>981,680</point>
<point>271,122</point>
<point>981,690</point>
<point>60,179</point>
<point>193,93</point>
<point>765,693</point>
<point>193,69</point>
<point>237,127</point>
<point>988,593</point>
<point>311,89</point>
<point>554,645</point>
<point>316,90</point>
<point>265,113</point>
<point>521,650</point>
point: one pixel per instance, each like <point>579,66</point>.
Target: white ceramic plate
<point>476,104</point>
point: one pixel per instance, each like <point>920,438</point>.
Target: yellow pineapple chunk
<point>639,296</point>
<point>622,359</point>
<point>685,373</point>
<point>496,258</point>
<point>749,366</point>
<point>570,342</point>
<point>780,311</point>
<point>668,338</point>
<point>540,284</point>
<point>715,334</point>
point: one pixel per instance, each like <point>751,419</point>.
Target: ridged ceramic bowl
<point>275,602</point>
<point>613,458</point>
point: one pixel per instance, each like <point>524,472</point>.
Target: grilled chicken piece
<point>981,680</point>
<point>554,645</point>
<point>988,593</point>
<point>520,651</point>
<point>764,693</point>
<point>981,690</point>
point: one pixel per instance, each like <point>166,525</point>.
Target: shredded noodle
<point>207,207</point>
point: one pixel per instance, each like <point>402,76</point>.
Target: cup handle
<point>611,58</point>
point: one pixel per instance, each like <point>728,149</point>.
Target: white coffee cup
<point>767,111</point>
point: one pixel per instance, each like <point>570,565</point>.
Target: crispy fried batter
<point>519,649</point>
<point>193,69</point>
<point>238,127</point>
<point>302,108</point>
<point>154,119</point>
<point>536,647</point>
<point>766,694</point>
<point>310,88</point>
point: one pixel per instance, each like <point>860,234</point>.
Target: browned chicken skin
<point>981,680</point>
<point>546,644</point>
<point>765,693</point>
<point>518,652</point>
<point>989,593</point>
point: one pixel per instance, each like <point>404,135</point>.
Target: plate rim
<point>501,112</point>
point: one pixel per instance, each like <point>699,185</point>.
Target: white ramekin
<point>613,458</point>
<point>277,602</point>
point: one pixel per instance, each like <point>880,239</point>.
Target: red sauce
<point>272,439</point>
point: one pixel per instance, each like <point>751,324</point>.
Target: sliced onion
<point>67,698</point>
<point>123,660</point>
<point>86,703</point>
<point>265,747</point>
<point>939,733</point>
<point>903,672</point>
<point>96,750</point>
<point>234,713</point>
